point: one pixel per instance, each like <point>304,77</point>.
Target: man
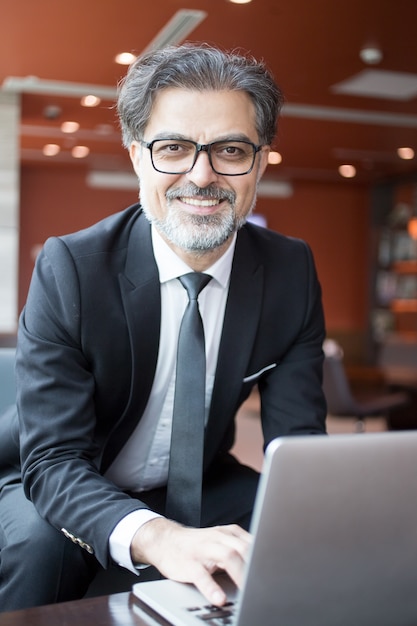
<point>97,342</point>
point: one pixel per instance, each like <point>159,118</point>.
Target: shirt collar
<point>170,265</point>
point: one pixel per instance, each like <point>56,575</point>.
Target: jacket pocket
<point>258,374</point>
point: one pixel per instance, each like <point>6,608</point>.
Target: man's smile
<point>200,202</point>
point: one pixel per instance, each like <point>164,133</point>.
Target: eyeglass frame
<point>202,147</point>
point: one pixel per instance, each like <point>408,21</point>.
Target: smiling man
<point>110,472</point>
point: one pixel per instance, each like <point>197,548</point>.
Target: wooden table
<point>121,609</point>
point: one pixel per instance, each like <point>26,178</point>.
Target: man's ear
<point>134,153</point>
<point>263,161</point>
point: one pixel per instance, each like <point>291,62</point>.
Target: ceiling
<point>310,45</point>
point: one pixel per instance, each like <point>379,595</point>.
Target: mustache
<point>211,192</point>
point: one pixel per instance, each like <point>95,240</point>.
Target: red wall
<point>332,217</point>
<point>54,201</point>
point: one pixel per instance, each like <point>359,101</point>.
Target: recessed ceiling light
<point>274,158</point>
<point>124,58</point>
<point>70,127</point>
<point>347,171</point>
<point>90,101</point>
<point>80,152</point>
<point>52,112</point>
<point>371,55</point>
<point>51,149</point>
<point>406,153</point>
<point>240,1</point>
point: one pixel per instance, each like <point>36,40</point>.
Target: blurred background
<point>344,169</point>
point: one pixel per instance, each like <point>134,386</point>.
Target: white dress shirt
<point>143,462</point>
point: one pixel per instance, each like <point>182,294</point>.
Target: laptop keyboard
<point>214,615</point>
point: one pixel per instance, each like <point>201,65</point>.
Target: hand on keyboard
<point>192,555</point>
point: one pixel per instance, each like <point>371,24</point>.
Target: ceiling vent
<point>177,29</point>
<point>379,84</point>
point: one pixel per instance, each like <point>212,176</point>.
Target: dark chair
<point>7,383</point>
<point>340,400</point>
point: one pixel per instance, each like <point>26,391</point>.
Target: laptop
<point>335,540</point>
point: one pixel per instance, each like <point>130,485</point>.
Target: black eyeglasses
<point>178,156</point>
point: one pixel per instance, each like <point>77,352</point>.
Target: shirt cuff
<point>122,535</point>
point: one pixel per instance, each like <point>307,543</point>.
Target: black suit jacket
<point>88,347</point>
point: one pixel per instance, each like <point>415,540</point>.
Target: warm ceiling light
<point>124,58</point>
<point>274,158</point>
<point>347,171</point>
<point>412,227</point>
<point>51,149</point>
<point>90,101</point>
<point>240,1</point>
<point>80,152</point>
<point>70,127</point>
<point>406,153</point>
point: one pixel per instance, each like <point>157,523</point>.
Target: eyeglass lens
<point>227,157</point>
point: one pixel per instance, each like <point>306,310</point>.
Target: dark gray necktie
<point>187,440</point>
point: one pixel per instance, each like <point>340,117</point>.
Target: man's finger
<point>211,590</point>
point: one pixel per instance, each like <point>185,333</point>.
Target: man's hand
<point>192,555</point>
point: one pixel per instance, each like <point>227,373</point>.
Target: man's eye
<point>230,151</point>
<point>167,147</point>
<point>173,148</point>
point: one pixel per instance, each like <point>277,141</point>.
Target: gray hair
<point>196,67</point>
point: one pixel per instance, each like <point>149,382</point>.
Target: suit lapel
<point>140,290</point>
<point>238,335</point>
<point>141,298</point>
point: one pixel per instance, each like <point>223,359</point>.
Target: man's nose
<point>202,173</point>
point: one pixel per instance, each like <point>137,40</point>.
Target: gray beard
<point>197,233</point>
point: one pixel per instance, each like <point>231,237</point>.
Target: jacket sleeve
<point>57,419</point>
<point>292,399</point>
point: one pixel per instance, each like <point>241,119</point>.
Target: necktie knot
<point>194,283</point>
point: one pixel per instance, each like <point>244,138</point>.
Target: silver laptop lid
<point>335,527</point>
<point>335,537</point>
